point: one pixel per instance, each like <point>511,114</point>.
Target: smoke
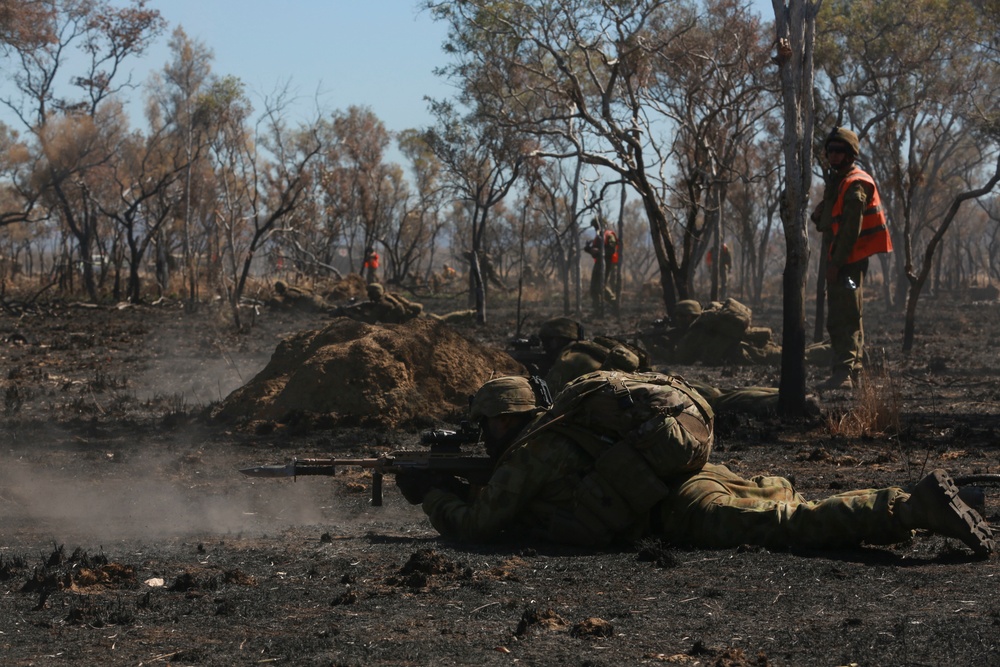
<point>152,499</point>
<point>201,362</point>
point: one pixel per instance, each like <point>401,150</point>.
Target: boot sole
<point>978,536</point>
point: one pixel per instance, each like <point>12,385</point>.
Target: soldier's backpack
<point>730,319</point>
<point>642,430</point>
<point>585,356</point>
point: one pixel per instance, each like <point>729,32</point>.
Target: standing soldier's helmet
<point>503,396</point>
<point>844,136</point>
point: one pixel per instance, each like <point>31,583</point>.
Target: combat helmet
<point>503,396</point>
<point>845,136</point>
<point>375,291</point>
<point>687,308</point>
<point>561,327</point>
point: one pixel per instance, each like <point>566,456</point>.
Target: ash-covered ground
<point>128,537</point>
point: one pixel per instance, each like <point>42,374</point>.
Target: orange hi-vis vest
<point>874,236</point>
<point>610,238</point>
<point>371,262</point>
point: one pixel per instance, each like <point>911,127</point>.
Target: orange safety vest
<point>609,238</point>
<point>371,261</point>
<point>874,237</point>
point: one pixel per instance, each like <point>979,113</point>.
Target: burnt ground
<point>127,536</point>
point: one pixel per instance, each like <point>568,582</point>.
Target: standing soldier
<point>854,228</point>
<point>725,266</point>
<point>600,289</point>
<point>371,265</point>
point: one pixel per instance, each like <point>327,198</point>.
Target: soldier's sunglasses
<point>837,148</point>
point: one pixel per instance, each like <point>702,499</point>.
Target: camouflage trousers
<point>716,508</point>
<point>845,306</point>
<point>601,290</point>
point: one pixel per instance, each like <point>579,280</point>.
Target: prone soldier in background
<point>539,352</point>
<point>568,354</point>
<point>382,307</point>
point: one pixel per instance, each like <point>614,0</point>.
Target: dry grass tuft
<point>876,409</point>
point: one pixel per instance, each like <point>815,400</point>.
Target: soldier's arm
<point>512,496</point>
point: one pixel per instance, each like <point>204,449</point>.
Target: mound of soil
<point>351,373</point>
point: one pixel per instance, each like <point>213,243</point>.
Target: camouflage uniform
<point>539,489</point>
<point>532,494</point>
<point>663,338</point>
<point>288,296</point>
<point>845,294</point>
<point>586,356</point>
<point>721,334</point>
<point>382,307</point>
<point>716,508</point>
<point>533,485</point>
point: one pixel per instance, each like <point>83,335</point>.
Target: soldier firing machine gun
<point>443,455</point>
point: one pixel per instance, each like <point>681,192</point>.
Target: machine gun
<point>443,455</point>
<point>529,352</point>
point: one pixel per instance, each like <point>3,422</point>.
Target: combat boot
<point>839,379</point>
<point>934,504</point>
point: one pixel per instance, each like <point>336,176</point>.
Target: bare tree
<point>107,37</point>
<point>711,82</point>
<point>175,105</point>
<point>795,25</point>
<point>481,162</point>
<point>255,191</point>
<point>919,278</point>
<point>143,179</point>
<point>588,79</point>
<point>426,204</point>
<point>364,190</point>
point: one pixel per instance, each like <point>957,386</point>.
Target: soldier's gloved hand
<point>816,216</point>
<point>452,484</point>
<point>414,484</point>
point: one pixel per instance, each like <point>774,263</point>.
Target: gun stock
<point>474,469</point>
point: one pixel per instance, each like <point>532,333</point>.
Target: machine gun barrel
<point>475,469</point>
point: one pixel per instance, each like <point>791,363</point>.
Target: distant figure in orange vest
<point>600,289</point>
<point>854,228</point>
<point>371,265</point>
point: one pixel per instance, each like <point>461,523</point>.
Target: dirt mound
<point>353,373</point>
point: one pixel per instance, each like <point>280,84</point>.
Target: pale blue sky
<point>375,53</point>
<point>337,53</point>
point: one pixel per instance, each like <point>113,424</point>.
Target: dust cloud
<point>146,500</point>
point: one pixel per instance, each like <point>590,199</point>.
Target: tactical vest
<point>874,236</point>
<point>610,240</point>
<point>642,430</point>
